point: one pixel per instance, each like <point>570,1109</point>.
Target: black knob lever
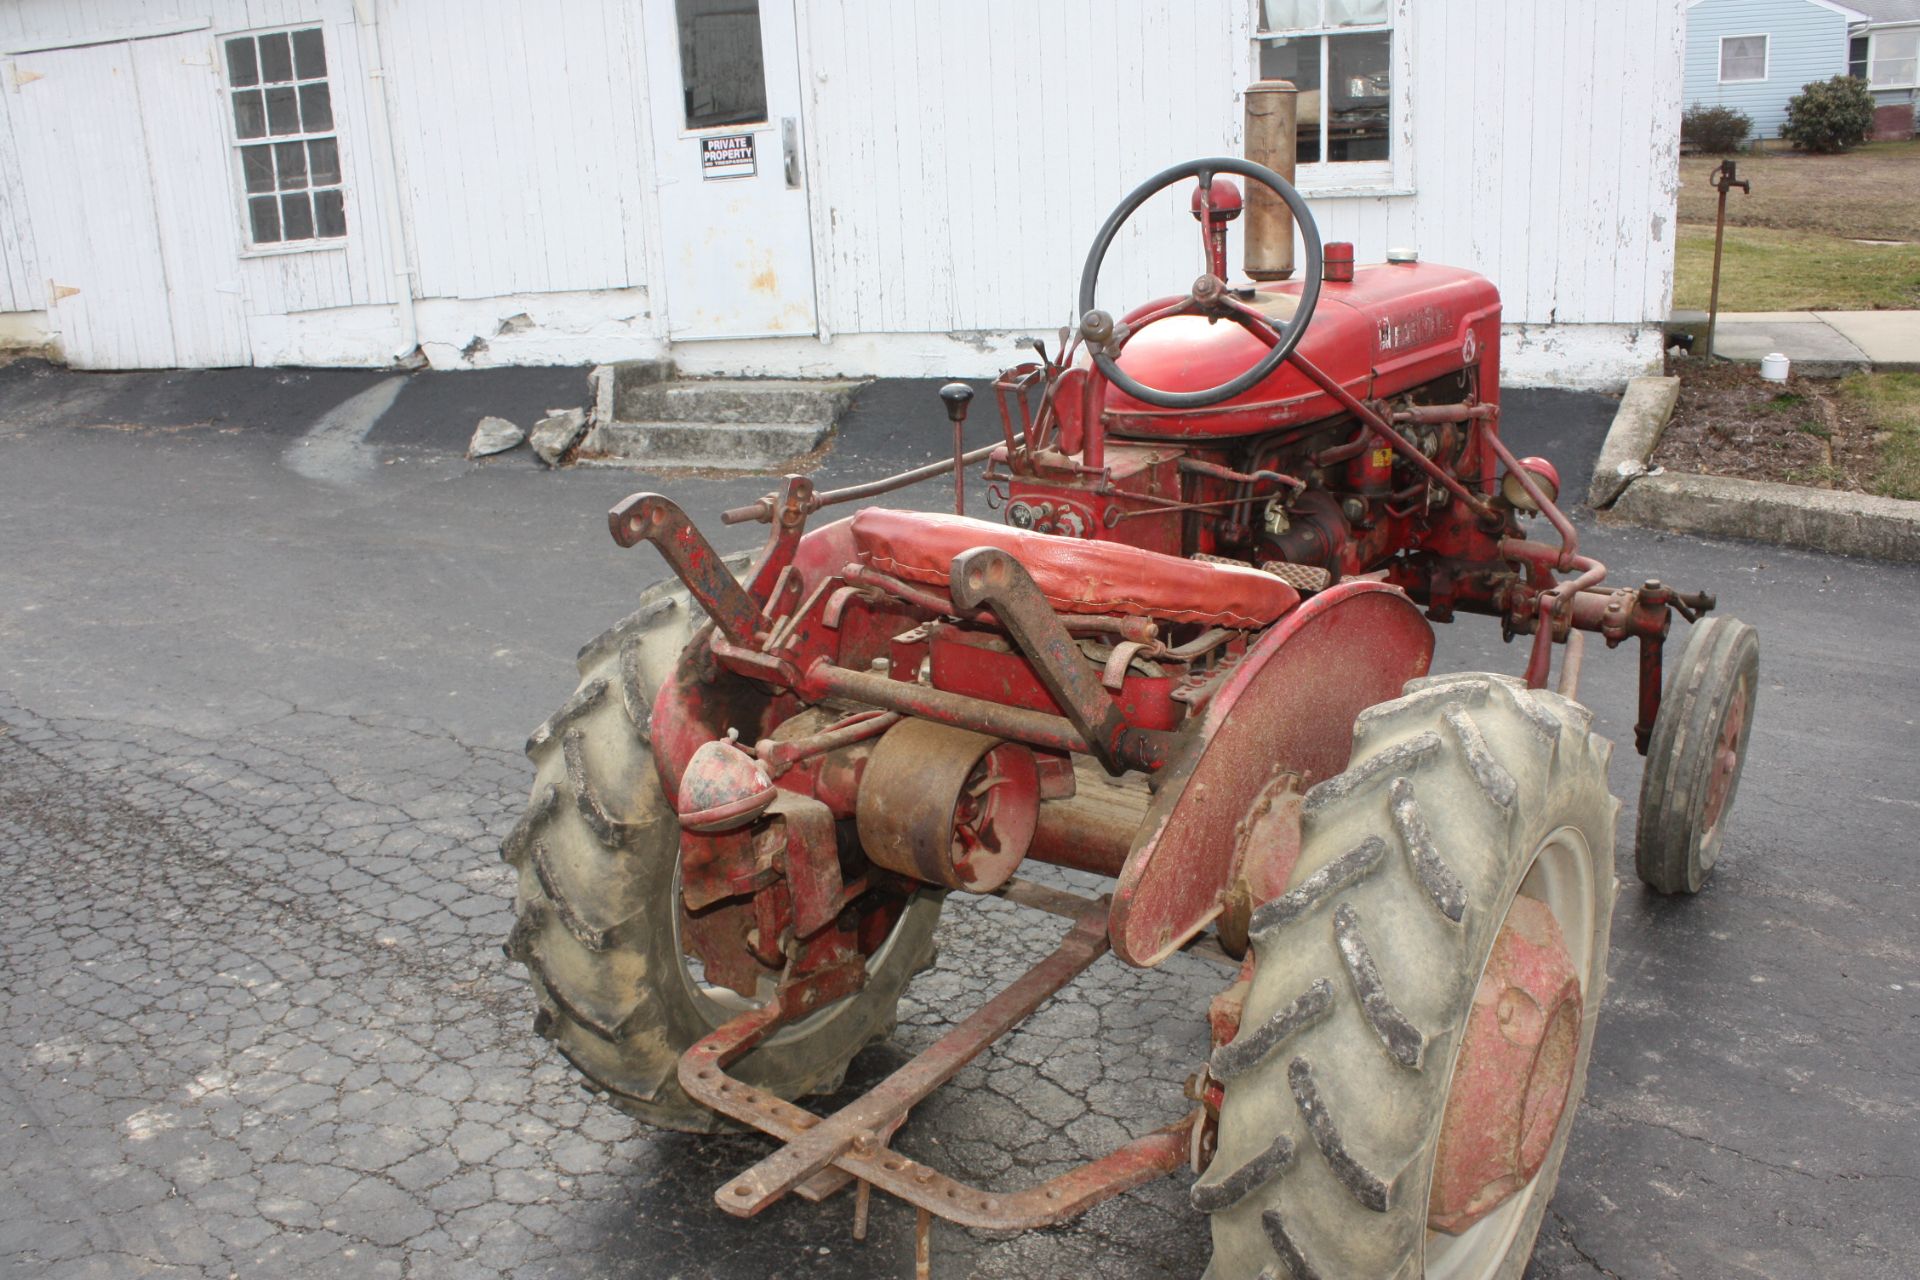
<point>956,396</point>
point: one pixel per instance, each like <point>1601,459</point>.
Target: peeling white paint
<point>940,216</point>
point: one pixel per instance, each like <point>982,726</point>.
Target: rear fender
<point>1289,706</point>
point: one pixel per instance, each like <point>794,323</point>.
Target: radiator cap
<point>1403,255</point>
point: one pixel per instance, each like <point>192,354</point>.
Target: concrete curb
<point>1837,522</point>
<point>1637,424</point>
<point>1846,524</point>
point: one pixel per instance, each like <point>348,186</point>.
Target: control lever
<point>957,396</point>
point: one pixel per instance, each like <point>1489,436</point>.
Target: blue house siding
<point>1805,42</point>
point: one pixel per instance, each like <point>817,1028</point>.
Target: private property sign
<point>726,157</point>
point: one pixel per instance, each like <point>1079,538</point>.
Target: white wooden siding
<point>964,166</point>
<point>22,285</point>
<point>959,159</point>
<point>365,267</point>
<point>519,129</point>
<point>110,283</point>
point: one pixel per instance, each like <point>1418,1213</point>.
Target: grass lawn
<point>1792,244</point>
<point>1766,270</point>
<point>1892,402</point>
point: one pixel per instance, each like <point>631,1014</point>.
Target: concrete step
<point>754,400</point>
<point>728,446</point>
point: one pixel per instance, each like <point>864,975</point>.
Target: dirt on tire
<point>1337,1083</point>
<point>598,900</point>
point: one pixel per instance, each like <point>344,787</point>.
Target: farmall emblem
<point>1414,328</point>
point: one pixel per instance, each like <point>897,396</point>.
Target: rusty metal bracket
<point>854,1140</point>
<point>791,506</point>
<point>649,517</point>
<point>987,577</point>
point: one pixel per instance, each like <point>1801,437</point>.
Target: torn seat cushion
<point>1075,575</point>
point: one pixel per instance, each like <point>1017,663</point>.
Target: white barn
<point>789,186</point>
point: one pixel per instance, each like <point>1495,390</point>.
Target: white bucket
<point>1774,368</point>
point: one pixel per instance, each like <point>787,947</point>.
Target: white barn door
<point>724,83</point>
<point>124,161</point>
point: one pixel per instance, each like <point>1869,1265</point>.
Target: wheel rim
<point>1561,876</point>
<point>1723,771</point>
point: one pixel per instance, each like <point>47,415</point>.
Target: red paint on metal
<point>1393,328</point>
<point>804,837</point>
<point>981,664</point>
<point>1726,762</point>
<point>723,788</point>
<point>1514,1075</point>
<point>1287,706</point>
<point>1338,259</point>
<point>1075,575</point>
<point>1215,205</point>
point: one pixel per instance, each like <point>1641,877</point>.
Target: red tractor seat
<point>1076,576</point>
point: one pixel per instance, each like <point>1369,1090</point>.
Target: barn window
<point>1339,54</point>
<point>1742,58</point>
<point>1896,59</point>
<point>284,138</point>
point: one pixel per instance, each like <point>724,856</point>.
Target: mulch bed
<point>1731,423</point>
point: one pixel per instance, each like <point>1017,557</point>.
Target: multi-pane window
<point>1742,58</point>
<point>283,129</point>
<point>1339,54</point>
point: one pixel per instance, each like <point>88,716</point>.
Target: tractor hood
<point>1393,327</point>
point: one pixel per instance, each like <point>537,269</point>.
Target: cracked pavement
<point>260,737</point>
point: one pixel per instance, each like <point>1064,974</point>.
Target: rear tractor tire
<point>1694,756</point>
<point>598,905</point>
<point>1415,1037</point>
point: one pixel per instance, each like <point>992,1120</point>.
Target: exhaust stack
<point>1272,123</point>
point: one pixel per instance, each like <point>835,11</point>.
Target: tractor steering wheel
<point>1209,296</point>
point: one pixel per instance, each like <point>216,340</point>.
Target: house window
<point>284,138</point>
<point>1857,57</point>
<point>1339,54</point>
<point>1742,58</point>
<point>1896,59</point>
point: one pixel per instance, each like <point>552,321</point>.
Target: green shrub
<point>1830,115</point>
<point>1714,130</point>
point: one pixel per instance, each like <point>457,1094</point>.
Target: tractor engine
<point>1283,476</point>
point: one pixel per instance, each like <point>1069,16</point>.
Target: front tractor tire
<point>1694,755</point>
<point>1473,825</point>
<point>598,905</point>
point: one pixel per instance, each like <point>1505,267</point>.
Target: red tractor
<point>1193,658</point>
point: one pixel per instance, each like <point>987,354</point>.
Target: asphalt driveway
<point>262,695</point>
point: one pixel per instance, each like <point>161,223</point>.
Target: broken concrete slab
<point>494,435</point>
<point>1635,433</point>
<point>555,434</point>
<point>1848,524</point>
